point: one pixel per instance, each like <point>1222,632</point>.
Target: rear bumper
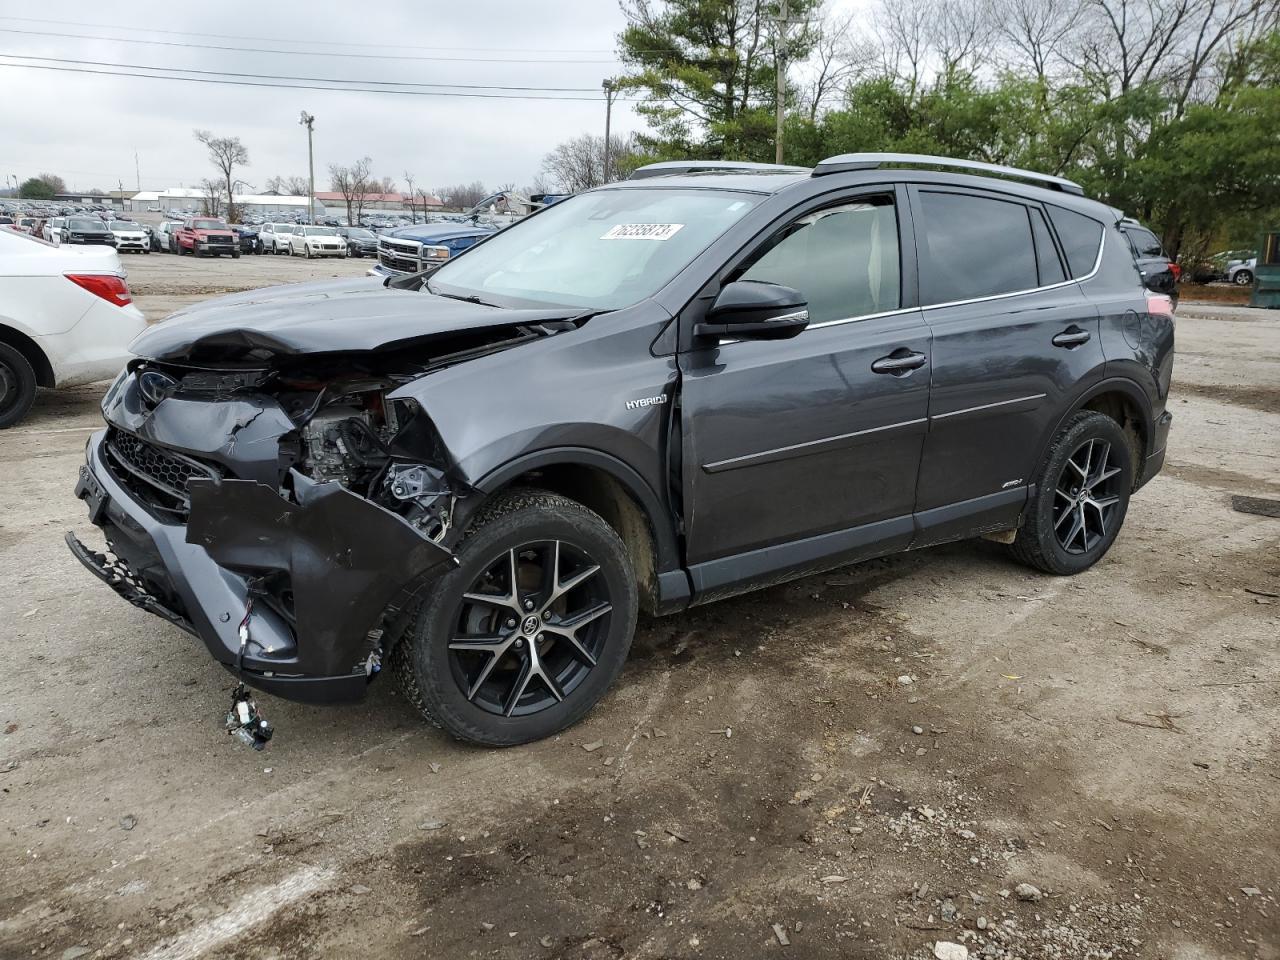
<point>340,560</point>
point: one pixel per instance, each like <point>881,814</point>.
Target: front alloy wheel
<point>530,628</point>
<point>526,633</point>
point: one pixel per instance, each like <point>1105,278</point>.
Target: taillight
<point>108,286</point>
<point>1159,305</point>
<point>1176,270</point>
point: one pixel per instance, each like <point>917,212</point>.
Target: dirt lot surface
<point>856,765</point>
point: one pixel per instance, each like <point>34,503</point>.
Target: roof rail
<point>869,161</point>
<point>672,167</point>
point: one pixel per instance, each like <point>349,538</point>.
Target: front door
<point>797,452</point>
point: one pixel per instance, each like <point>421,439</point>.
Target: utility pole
<point>784,23</point>
<point>137,171</point>
<point>307,121</point>
<point>610,86</point>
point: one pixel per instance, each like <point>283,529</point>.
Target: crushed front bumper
<point>321,573</point>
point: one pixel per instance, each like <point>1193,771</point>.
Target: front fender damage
<point>332,563</point>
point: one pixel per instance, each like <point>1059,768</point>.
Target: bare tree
<point>351,182</point>
<point>211,202</point>
<point>578,163</point>
<point>413,207</point>
<point>291,186</point>
<point>425,199</point>
<point>1125,44</point>
<point>1033,32</point>
<point>226,153</point>
<point>839,57</point>
<point>55,182</point>
<point>463,196</point>
<point>903,30</point>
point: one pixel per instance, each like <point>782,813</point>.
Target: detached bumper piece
<point>317,574</point>
<point>112,572</point>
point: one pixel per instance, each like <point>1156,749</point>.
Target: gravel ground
<point>860,764</point>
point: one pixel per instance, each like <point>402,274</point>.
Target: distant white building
<point>179,198</point>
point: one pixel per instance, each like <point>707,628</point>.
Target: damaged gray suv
<point>659,393</point>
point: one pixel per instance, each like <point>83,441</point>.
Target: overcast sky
<point>86,127</point>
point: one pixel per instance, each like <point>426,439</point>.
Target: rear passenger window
<point>974,247</point>
<point>843,259</point>
<point>1080,237</point>
<point>1047,261</point>
<point>1144,242</point>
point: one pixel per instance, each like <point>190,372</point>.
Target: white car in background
<point>52,230</point>
<point>275,237</point>
<point>129,236</point>
<point>308,241</point>
<point>66,318</point>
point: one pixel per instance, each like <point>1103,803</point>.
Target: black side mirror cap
<point>754,310</point>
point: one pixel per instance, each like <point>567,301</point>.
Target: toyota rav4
<point>655,394</point>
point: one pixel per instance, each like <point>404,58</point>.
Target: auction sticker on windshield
<point>642,231</point>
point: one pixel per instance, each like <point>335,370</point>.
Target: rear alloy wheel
<point>524,636</point>
<point>1082,496</point>
<point>17,386</point>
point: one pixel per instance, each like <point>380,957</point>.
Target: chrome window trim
<point>1097,265</point>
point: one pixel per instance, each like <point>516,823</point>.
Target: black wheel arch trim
<point>660,518</point>
<point>1130,388</point>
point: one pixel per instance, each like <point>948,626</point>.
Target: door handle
<point>1073,336</point>
<point>899,362</point>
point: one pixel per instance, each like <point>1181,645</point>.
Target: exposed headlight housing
<point>435,253</point>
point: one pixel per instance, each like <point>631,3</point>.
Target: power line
<point>298,86</point>
<point>296,53</point>
<point>323,43</point>
<point>277,76</point>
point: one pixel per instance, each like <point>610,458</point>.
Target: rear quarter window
<point>1080,237</point>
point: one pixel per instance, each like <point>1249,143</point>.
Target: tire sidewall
<point>1081,429</point>
<point>25,380</point>
<point>434,625</point>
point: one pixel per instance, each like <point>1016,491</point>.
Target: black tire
<point>1243,278</point>
<point>1052,513</point>
<point>17,386</point>
<point>433,676</point>
<point>235,255</point>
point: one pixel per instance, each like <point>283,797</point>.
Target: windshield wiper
<point>470,298</point>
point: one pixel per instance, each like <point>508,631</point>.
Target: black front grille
<point>158,477</point>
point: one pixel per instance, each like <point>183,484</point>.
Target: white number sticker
<point>642,231</point>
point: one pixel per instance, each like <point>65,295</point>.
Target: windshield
<point>124,225</point>
<point>356,233</point>
<point>319,231</point>
<point>85,225</point>
<point>602,250</point>
<point>208,225</point>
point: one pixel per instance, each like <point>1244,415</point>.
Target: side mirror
<point>753,310</point>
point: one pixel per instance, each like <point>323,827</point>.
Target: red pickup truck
<point>205,236</point>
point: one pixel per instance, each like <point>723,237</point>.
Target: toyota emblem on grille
<point>155,386</point>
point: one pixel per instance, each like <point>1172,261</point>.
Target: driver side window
<point>843,259</point>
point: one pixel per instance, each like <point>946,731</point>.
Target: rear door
<point>1014,338</point>
<point>796,451</point>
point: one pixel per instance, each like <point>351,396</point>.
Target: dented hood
<point>331,316</point>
